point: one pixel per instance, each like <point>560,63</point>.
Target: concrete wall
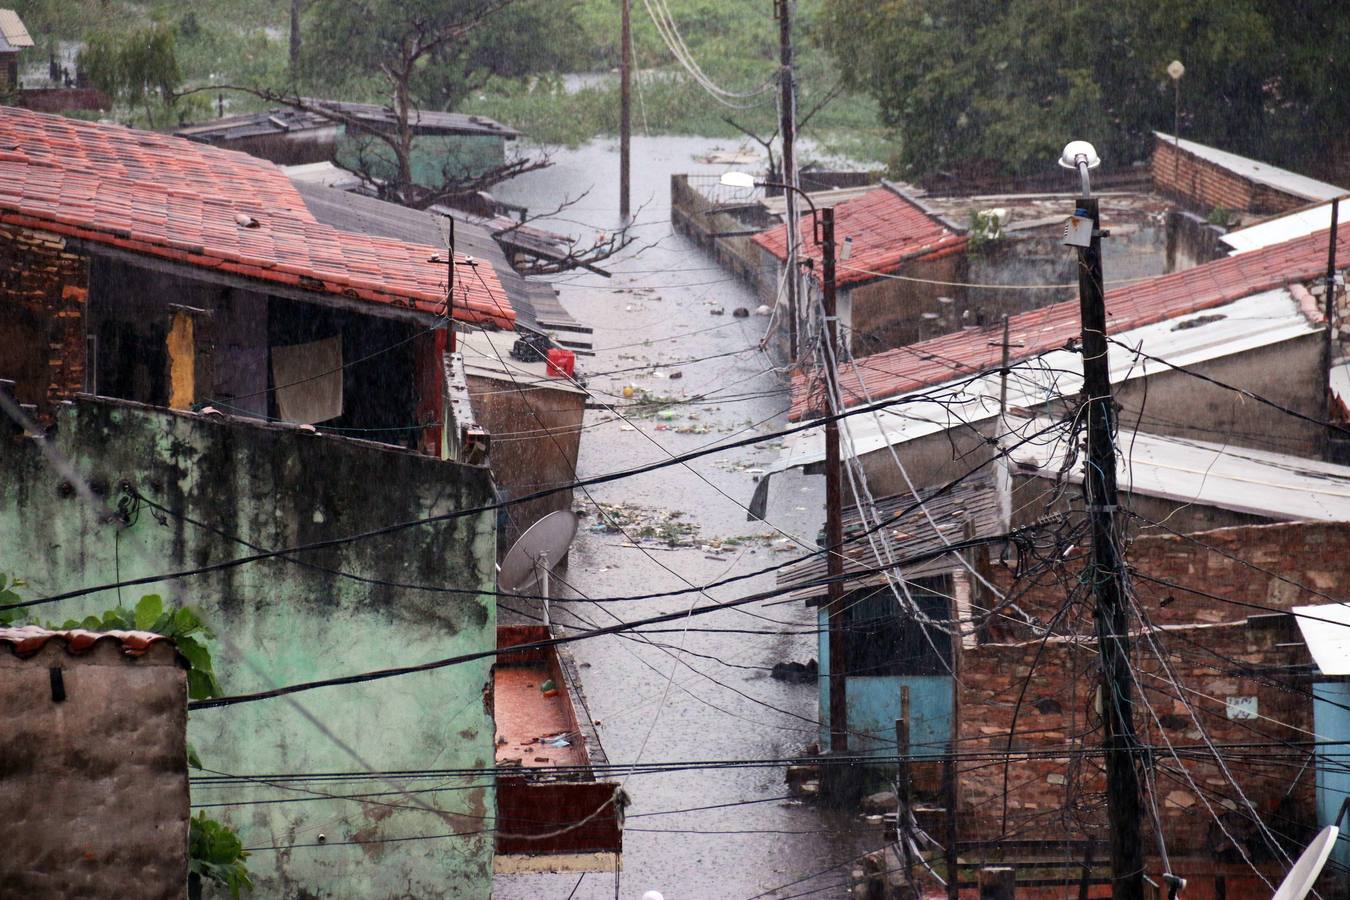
<point>281,622</point>
<point>96,786</point>
<point>524,457</point>
<point>437,159</point>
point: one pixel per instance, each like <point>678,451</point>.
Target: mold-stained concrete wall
<point>285,621</point>
<point>96,786</point>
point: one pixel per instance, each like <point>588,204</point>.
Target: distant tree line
<point>972,85</point>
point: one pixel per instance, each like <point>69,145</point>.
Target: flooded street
<point>705,693</point>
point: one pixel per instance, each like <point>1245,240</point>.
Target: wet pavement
<point>696,695</point>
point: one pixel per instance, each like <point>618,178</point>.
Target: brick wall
<point>1207,186</point>
<point>43,289</point>
<point>1217,651</point>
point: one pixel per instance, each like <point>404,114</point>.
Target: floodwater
<point>695,695</point>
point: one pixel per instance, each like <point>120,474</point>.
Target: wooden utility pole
<point>787,126</point>
<point>1106,573</point>
<point>834,513</point>
<point>625,106</point>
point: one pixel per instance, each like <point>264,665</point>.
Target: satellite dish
<point>1298,883</point>
<point>531,558</point>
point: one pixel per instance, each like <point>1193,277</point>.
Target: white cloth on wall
<point>308,381</point>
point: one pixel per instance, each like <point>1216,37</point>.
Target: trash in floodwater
<point>717,310</point>
<point>763,310</point>
<point>740,312</point>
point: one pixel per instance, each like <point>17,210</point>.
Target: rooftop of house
<point>1260,320</point>
<point>884,228</point>
<point>292,120</point>
<point>487,354</point>
<point>26,640</point>
<point>1254,482</point>
<point>971,509</point>
<point>535,303</point>
<point>13,35</point>
<point>203,207</point>
<point>1262,173</point>
<point>1128,306</point>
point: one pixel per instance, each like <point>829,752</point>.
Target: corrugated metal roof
<point>886,229</point>
<point>1278,229</point>
<point>1262,173</point>
<point>25,640</point>
<point>1038,331</point>
<point>13,31</point>
<point>1255,482</point>
<point>201,206</point>
<point>1326,631</point>
<point>1267,318</point>
<point>968,510</point>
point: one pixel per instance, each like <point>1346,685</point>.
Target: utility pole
<point>625,106</point>
<point>1106,568</point>
<point>787,126</point>
<point>834,515</point>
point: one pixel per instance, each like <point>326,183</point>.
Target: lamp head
<point>738,179</point>
<point>1175,70</point>
<point>1074,151</point>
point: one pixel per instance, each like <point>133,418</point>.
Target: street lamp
<point>747,181</point>
<point>1174,71</point>
<point>1082,156</point>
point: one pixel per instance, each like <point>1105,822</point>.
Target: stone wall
<point>322,614</point>
<point>43,289</point>
<point>96,784</point>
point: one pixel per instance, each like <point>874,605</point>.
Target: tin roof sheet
<point>1326,631</point>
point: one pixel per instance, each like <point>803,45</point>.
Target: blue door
<point>1331,722</point>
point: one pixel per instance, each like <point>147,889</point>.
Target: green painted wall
<point>277,486</point>
<point>433,156</point>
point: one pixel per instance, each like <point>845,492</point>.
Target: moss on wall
<point>288,620</point>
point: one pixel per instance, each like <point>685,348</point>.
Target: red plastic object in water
<point>561,363</point>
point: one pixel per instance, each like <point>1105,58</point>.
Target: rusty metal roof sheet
<point>970,509</point>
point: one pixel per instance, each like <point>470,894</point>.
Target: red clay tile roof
<point>941,359</point>
<point>173,198</point>
<point>886,229</point>
<point>29,639</point>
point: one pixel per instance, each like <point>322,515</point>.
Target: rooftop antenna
<point>531,558</point>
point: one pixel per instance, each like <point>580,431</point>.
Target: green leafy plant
<point>180,623</point>
<point>8,596</point>
<point>1220,216</point>
<point>215,854</point>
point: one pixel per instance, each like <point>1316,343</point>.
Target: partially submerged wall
<point>291,620</point>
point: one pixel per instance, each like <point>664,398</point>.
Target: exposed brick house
<point>1214,616</point>
<point>887,233</point>
<point>1207,179</point>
